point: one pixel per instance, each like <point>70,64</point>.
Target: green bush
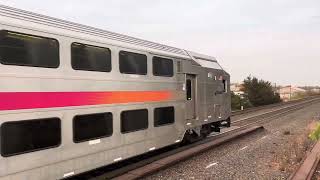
<point>238,101</point>
<point>260,92</point>
<point>315,134</point>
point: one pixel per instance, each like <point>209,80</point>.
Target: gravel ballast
<point>271,154</point>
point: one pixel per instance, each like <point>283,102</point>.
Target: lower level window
<point>92,126</point>
<point>163,116</point>
<point>25,136</point>
<point>134,120</point>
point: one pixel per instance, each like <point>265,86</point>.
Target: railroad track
<point>309,165</point>
<point>151,162</point>
<point>253,109</point>
<point>274,113</point>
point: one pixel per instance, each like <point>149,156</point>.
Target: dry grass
<point>288,158</point>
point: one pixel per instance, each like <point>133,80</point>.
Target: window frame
<point>166,124</point>
<point>90,139</point>
<point>121,121</point>
<point>131,73</point>
<point>36,36</point>
<point>33,150</point>
<point>94,46</point>
<point>160,59</point>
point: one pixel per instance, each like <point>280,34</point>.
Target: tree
<point>237,101</point>
<point>260,92</point>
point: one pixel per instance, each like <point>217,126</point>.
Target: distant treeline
<point>256,93</point>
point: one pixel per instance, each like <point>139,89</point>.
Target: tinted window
<point>90,58</point>
<point>134,120</point>
<point>28,50</point>
<point>225,88</point>
<point>29,135</point>
<point>163,116</point>
<point>92,126</point>
<point>188,84</point>
<point>162,67</point>
<point>132,63</point>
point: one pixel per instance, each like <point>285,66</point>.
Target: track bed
<point>271,154</point>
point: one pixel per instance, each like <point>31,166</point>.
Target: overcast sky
<point>277,40</point>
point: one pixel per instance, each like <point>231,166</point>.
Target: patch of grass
<point>315,134</point>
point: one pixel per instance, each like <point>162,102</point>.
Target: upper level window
<point>162,66</point>
<point>25,136</point>
<point>90,58</point>
<point>28,50</point>
<point>132,63</point>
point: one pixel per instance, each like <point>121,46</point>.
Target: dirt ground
<point>274,153</point>
<point>289,158</point>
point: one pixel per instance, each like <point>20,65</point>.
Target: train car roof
<point>14,16</point>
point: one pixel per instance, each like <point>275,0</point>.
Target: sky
<point>275,40</point>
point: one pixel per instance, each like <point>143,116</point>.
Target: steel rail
<point>268,113</point>
<point>183,155</point>
<point>309,165</point>
<point>252,109</point>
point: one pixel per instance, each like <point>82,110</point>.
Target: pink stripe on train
<point>32,100</point>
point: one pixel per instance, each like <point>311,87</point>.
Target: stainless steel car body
<point>72,158</point>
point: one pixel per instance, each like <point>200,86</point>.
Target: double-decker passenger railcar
<point>74,98</point>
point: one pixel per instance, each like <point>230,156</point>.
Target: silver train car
<point>75,98</point>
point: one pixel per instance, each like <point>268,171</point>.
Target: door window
<point>189,89</point>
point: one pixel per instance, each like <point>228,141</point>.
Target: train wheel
<point>191,137</point>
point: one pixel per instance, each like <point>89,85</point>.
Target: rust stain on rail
<point>307,168</point>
